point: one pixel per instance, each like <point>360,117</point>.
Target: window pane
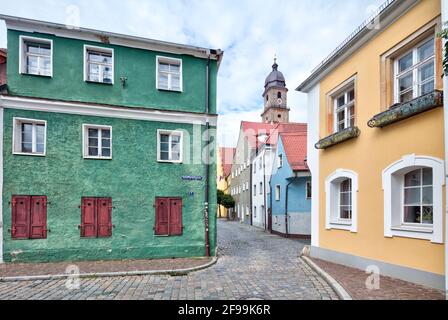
<point>175,68</point>
<point>27,147</point>
<point>93,152</point>
<point>426,50</point>
<point>105,143</point>
<point>164,146</point>
<point>164,67</point>
<point>346,212</point>
<point>426,72</point>
<point>93,142</point>
<point>351,96</point>
<point>40,133</point>
<point>427,215</point>
<point>427,176</point>
<point>345,199</point>
<point>340,101</point>
<point>32,48</point>
<point>40,147</point>
<point>164,138</point>
<point>95,57</point>
<point>175,138</point>
<point>175,82</point>
<point>45,50</point>
<point>105,152</point>
<point>413,178</point>
<point>412,196</point>
<point>32,65</point>
<point>164,155</point>
<point>405,82</point>
<point>105,133</point>
<point>405,62</point>
<point>175,156</point>
<point>427,87</point>
<point>163,81</point>
<point>427,195</point>
<point>93,133</point>
<point>407,96</point>
<point>27,133</point>
<point>346,185</point>
<point>412,214</point>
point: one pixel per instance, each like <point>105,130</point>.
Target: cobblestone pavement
<point>353,280</point>
<point>252,265</point>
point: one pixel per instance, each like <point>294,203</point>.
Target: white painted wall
<point>313,159</point>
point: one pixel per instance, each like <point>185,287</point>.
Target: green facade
<point>133,178</point>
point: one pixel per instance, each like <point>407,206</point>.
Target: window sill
<point>170,90</point>
<point>338,137</point>
<point>406,110</point>
<point>99,82</point>
<point>29,154</point>
<point>97,158</point>
<point>413,229</point>
<point>341,225</point>
<point>36,75</point>
<point>169,161</point>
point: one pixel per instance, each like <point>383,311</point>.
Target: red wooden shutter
<point>88,221</point>
<point>104,217</point>
<point>175,216</point>
<point>38,217</point>
<point>20,217</point>
<point>162,216</point>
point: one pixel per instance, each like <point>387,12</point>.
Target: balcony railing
<point>408,109</point>
<point>338,137</point>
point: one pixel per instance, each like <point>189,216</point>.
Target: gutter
<point>286,204</point>
<point>207,165</point>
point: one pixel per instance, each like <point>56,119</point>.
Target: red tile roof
<point>252,130</point>
<point>295,150</point>
<point>227,155</point>
<point>291,127</point>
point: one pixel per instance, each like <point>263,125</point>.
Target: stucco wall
<point>133,179</point>
<point>139,66</point>
<point>376,149</point>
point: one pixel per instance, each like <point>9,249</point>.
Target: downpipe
<point>207,159</point>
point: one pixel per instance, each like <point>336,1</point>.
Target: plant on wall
<point>444,35</point>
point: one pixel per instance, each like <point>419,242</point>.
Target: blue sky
<point>300,32</point>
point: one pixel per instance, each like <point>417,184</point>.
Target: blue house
<point>291,188</point>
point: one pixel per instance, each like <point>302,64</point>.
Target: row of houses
<point>102,141</point>
<point>376,150</point>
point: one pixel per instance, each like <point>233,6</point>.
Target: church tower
<point>275,97</point>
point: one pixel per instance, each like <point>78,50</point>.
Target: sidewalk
<point>96,267</point>
<point>353,281</point>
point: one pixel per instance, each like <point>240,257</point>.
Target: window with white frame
<point>169,146</point>
<point>261,164</point>
<point>261,188</point>
<point>413,198</point>
<point>169,74</point>
<point>415,72</point>
<point>280,160</point>
<point>97,141</point>
<point>255,189</point>
<point>98,64</point>
<point>344,108</point>
<point>341,188</point>
<point>308,190</point>
<point>255,212</point>
<point>277,192</point>
<point>36,56</point>
<point>29,136</point>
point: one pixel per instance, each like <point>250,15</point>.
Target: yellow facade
<point>375,149</point>
<point>222,182</point>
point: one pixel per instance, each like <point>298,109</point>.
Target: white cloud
<point>301,32</point>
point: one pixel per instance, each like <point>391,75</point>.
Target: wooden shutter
<point>88,219</point>
<point>38,217</point>
<point>20,217</point>
<point>104,217</point>
<point>175,216</point>
<point>162,217</point>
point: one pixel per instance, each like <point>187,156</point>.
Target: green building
<point>107,146</point>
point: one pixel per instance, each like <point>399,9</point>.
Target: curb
<point>340,291</point>
<point>173,272</point>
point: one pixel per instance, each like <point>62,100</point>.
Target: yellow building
<point>223,171</point>
<point>377,146</point>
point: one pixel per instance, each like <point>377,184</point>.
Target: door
<point>270,220</point>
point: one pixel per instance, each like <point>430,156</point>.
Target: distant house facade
<point>224,168</point>
<point>101,146</point>
<point>291,188</point>
<point>378,146</point>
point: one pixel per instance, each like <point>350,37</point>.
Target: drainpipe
<point>286,204</point>
<point>445,106</point>
<point>207,165</point>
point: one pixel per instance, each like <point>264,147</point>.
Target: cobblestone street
<point>252,265</point>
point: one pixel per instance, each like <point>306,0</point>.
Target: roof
<point>387,13</point>
<point>290,127</point>
<point>24,24</point>
<point>275,79</point>
<point>227,155</point>
<point>3,52</point>
<point>253,130</point>
<point>295,150</point>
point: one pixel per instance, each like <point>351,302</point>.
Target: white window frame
<point>106,50</point>
<point>22,57</point>
<point>414,69</point>
<point>278,191</point>
<point>181,148</point>
<point>261,188</point>
<point>85,139</point>
<point>307,195</point>
<point>169,60</point>
<point>392,187</point>
<point>17,136</point>
<point>255,190</point>
<point>280,161</point>
<point>345,107</point>
<point>255,211</point>
<point>332,198</point>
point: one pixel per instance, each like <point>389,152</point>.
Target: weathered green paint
<point>133,178</point>
<point>138,65</point>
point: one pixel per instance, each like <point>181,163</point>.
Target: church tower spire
<point>275,97</point>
